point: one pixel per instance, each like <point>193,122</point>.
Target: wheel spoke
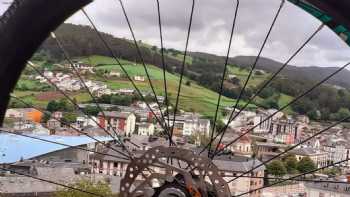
<point>294,177</point>
<point>223,76</point>
<point>126,73</point>
<point>70,126</point>
<point>62,144</point>
<point>182,68</point>
<point>163,63</point>
<point>287,105</point>
<point>76,72</point>
<point>232,118</point>
<point>143,62</point>
<point>49,181</point>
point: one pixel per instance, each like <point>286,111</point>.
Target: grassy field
<point>30,84</point>
<point>193,97</point>
<point>30,97</point>
<point>242,75</point>
<point>96,60</point>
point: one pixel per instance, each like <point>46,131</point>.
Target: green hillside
<point>193,97</point>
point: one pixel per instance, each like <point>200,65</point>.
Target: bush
<point>99,188</point>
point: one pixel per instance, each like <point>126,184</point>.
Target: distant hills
<point>309,73</point>
<point>304,73</point>
<point>82,41</point>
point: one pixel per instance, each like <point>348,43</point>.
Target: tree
<point>99,188</point>
<point>306,165</point>
<point>341,114</point>
<point>52,106</point>
<point>314,115</point>
<point>219,125</point>
<point>304,105</point>
<point>69,117</point>
<point>154,48</point>
<point>91,110</point>
<point>121,100</point>
<point>106,99</point>
<point>270,103</point>
<point>291,163</point>
<point>332,171</point>
<point>267,92</point>
<point>46,117</point>
<point>61,105</point>
<point>276,168</point>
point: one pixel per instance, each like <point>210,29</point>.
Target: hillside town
<point>272,132</point>
<point>261,135</point>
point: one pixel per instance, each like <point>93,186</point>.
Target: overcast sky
<point>212,25</point>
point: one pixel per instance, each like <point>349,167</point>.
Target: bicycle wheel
<point>170,167</point>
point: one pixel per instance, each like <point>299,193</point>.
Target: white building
<point>241,120</point>
<point>337,151</point>
<point>145,129</point>
<point>84,121</point>
<point>261,116</point>
<point>139,78</point>
<point>126,91</point>
<point>114,74</point>
<point>189,124</point>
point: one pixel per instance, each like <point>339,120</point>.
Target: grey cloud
<point>212,24</point>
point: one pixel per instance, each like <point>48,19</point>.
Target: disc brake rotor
<point>156,172</point>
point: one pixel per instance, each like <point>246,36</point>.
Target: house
<point>123,122</point>
<point>84,121</point>
<point>231,77</point>
<point>267,150</point>
<point>338,151</point>
<point>319,157</point>
<point>243,146</point>
<point>63,171</point>
<point>125,91</point>
<point>80,66</point>
<point>139,78</point>
<point>320,189</point>
<point>303,119</point>
<point>103,91</point>
<point>23,125</point>
<point>53,123</point>
<point>161,99</point>
<point>189,123</point>
<point>29,114</point>
<point>57,115</point>
<point>114,74</point>
<point>48,74</point>
<point>232,166</point>
<point>146,129</point>
<point>281,129</point>
<point>263,120</point>
<point>241,120</point>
